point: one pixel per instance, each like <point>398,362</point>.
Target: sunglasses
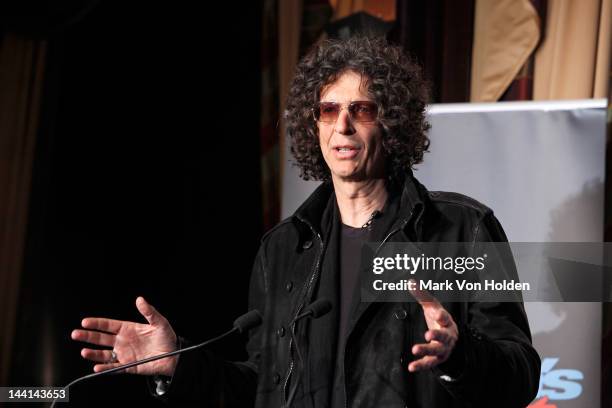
<point>359,111</point>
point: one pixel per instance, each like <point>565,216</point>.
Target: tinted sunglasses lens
<point>363,111</point>
<point>327,112</point>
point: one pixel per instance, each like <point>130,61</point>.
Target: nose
<point>344,125</point>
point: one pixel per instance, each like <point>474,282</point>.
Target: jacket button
<point>307,244</point>
<point>281,331</point>
<point>402,360</point>
<point>400,314</point>
<point>289,286</point>
<point>276,378</point>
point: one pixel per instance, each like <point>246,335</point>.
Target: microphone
<point>242,324</point>
<point>316,309</point>
<point>248,321</point>
<point>319,308</point>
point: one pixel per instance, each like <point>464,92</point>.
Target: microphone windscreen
<point>248,321</point>
<point>319,307</point>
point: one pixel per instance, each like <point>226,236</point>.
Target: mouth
<point>346,148</point>
<point>346,151</point>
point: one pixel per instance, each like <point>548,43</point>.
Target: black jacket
<point>494,363</point>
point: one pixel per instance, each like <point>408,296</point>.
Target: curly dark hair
<point>394,81</point>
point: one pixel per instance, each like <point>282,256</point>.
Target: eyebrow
<point>351,101</point>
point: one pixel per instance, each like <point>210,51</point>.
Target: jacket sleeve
<point>203,378</point>
<point>499,366</point>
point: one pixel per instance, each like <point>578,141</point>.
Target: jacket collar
<point>315,211</point>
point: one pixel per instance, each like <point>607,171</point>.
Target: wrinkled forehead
<point>346,79</point>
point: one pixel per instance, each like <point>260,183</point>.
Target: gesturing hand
<point>129,341</point>
<point>441,336</point>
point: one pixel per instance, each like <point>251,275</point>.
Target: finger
<point>93,337</point>
<point>423,296</point>
<point>149,312</point>
<point>423,363</point>
<point>98,356</point>
<point>102,324</point>
<point>438,335</point>
<point>430,349</point>
<point>103,367</point>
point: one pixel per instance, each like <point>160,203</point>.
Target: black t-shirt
<point>351,241</point>
<point>350,258</point>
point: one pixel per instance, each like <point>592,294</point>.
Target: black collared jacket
<point>493,365</point>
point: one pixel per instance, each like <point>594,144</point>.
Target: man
<point>355,116</point>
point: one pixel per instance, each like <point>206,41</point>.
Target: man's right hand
<point>130,341</point>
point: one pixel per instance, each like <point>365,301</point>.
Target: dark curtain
<point>22,67</point>
<point>269,133</point>
<point>146,181</point>
<point>438,33</point>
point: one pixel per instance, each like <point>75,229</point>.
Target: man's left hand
<point>441,337</point>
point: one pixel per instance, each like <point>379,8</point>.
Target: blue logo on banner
<point>559,384</point>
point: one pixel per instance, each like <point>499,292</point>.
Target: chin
<point>347,171</point>
<point>351,176</point>
<point>343,174</point>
